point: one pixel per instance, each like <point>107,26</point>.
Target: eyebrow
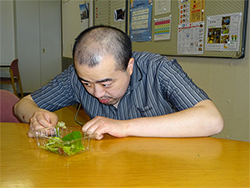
<point>98,81</point>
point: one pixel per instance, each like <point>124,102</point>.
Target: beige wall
<point>72,23</point>
<point>7,35</point>
<point>7,39</point>
<point>227,83</point>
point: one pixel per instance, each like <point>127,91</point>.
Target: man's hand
<point>42,119</point>
<point>101,125</point>
<point>27,111</point>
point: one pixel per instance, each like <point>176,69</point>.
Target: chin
<point>114,103</point>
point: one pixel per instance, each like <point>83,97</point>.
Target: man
<point>124,93</point>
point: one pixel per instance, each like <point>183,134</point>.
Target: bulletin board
<point>112,13</point>
<point>225,38</point>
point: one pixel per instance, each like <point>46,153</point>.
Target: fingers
<point>51,118</point>
<point>96,127</point>
<point>98,137</point>
<point>101,125</point>
<point>42,119</point>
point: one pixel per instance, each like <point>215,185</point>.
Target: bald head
<point>100,41</point>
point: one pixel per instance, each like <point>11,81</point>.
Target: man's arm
<point>203,119</point>
<point>27,111</point>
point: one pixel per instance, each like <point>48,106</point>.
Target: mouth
<point>104,101</point>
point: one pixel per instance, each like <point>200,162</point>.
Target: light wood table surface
<point>124,162</point>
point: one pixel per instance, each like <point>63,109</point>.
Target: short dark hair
<point>99,41</point>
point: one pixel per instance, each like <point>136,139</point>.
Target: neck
<point>116,104</point>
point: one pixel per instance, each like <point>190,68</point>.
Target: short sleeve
<point>178,88</point>
<point>58,93</point>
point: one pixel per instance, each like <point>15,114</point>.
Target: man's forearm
<point>202,120</point>
<point>25,108</point>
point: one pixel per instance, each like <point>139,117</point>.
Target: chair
<point>82,114</point>
<point>14,77</point>
<point>8,100</point>
<point>77,112</point>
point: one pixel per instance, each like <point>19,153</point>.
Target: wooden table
<point>124,162</point>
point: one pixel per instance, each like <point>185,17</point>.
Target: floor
<point>67,115</point>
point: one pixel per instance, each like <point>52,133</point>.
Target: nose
<point>98,91</point>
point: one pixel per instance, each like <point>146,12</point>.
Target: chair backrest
<point>14,67</point>
<point>7,102</point>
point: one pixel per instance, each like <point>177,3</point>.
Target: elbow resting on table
<point>210,117</point>
<point>217,123</point>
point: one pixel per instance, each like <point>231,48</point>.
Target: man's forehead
<point>103,72</point>
<point>98,59</point>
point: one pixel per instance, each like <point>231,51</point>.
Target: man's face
<point>104,81</point>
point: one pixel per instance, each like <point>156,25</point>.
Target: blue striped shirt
<point>158,86</point>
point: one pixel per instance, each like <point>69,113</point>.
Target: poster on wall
<point>138,3</point>
<point>191,11</point>
<point>140,21</point>
<point>223,32</point>
<point>197,10</point>
<point>119,15</point>
<point>191,27</point>
<point>84,14</point>
<point>191,38</point>
<point>162,28</point>
<point>162,7</point>
<point>184,9</point>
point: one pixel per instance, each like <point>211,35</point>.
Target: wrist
<point>128,125</point>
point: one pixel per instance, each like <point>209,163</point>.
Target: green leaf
<point>74,147</point>
<point>68,145</point>
<point>72,136</point>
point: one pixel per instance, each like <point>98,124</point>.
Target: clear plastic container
<point>56,141</point>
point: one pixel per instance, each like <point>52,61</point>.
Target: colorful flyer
<point>184,9</point>
<point>191,11</point>
<point>162,28</point>
<point>84,14</point>
<point>197,10</point>
<point>140,23</point>
<point>223,32</point>
<point>191,38</point>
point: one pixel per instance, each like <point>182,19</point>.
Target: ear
<point>130,66</point>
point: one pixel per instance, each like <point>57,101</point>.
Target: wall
<point>24,33</point>
<point>7,38</point>
<point>38,42</point>
<point>7,49</point>
<point>227,83</point>
<point>71,22</point>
